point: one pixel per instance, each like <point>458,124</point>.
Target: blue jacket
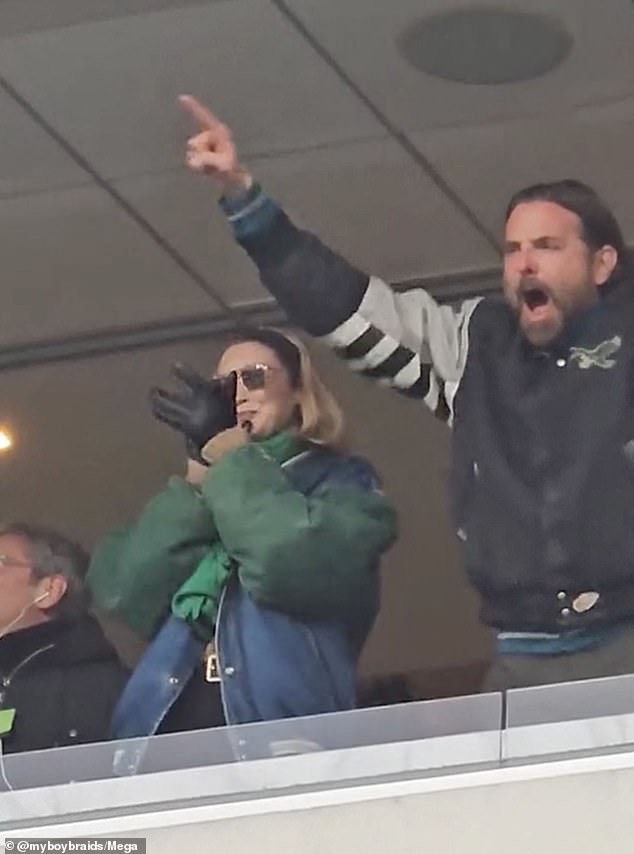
<point>272,664</point>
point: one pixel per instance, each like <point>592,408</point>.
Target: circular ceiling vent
<point>485,45</point>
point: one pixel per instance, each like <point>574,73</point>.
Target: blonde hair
<point>319,416</point>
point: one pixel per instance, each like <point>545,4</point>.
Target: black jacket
<point>543,446</point>
<point>543,469</point>
<point>63,679</point>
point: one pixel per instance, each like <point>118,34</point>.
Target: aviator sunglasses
<point>252,377</point>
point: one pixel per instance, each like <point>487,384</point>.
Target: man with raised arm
<point>537,384</point>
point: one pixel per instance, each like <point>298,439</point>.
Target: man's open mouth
<point>535,297</point>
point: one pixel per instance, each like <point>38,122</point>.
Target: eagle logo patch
<point>599,357</point>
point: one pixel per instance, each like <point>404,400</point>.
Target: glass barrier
<point>431,738</point>
<point>234,762</point>
<point>595,714</point>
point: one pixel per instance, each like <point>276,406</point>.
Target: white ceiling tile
<point>369,201</point>
<point>365,199</point>
<point>25,16</point>
<point>486,165</point>
<point>183,208</point>
<point>29,159</point>
<point>72,262</point>
<point>600,65</point>
<point>111,87</point>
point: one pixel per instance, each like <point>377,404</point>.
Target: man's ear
<point>50,591</point>
<point>605,260</point>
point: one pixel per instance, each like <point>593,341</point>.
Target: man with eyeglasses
<point>59,676</point>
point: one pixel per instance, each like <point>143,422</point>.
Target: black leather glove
<point>203,409</point>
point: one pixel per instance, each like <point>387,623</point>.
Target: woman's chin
<point>258,432</point>
<point>262,431</point>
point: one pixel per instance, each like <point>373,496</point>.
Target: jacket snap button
<point>565,612</point>
<point>561,595</point>
<point>173,680</point>
<point>229,671</point>
<point>72,733</point>
<point>585,601</point>
<point>561,363</point>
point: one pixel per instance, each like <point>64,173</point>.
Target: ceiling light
<point>6,442</point>
<point>486,45</point>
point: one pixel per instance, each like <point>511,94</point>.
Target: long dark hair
<point>598,223</point>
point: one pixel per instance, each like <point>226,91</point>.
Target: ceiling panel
<point>487,164</point>
<point>111,87</point>
<point>599,67</point>
<point>366,199</point>
<point>25,16</point>
<point>29,159</point>
<point>72,262</point>
<point>183,208</point>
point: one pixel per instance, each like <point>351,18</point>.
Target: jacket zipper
<point>218,658</point>
<point>7,680</point>
<point>292,460</point>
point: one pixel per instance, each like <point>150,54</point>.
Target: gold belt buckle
<point>211,663</point>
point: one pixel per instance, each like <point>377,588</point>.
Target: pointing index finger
<point>203,116</point>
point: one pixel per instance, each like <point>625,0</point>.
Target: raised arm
<point>405,340</point>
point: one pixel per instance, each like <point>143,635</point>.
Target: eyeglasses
<point>7,561</point>
<point>252,377</point>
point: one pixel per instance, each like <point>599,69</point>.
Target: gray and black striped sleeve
<point>407,341</point>
<point>404,340</point>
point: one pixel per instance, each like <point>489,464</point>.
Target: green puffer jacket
<point>309,556</point>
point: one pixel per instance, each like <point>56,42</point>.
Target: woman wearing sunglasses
<point>256,577</point>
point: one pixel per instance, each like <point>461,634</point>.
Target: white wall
<point>585,814</point>
<point>576,806</point>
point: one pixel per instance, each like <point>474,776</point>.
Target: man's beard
<point>542,313</point>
